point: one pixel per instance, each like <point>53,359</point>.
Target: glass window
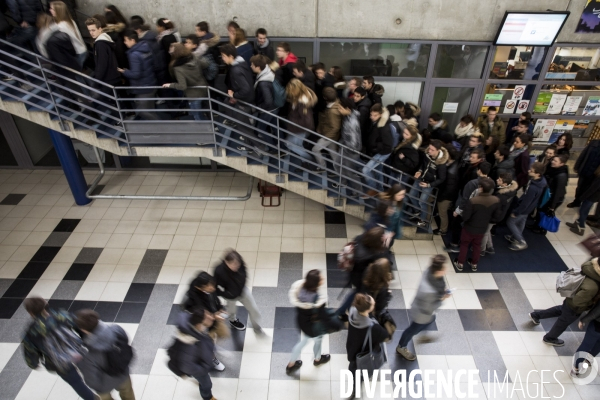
<point>377,59</point>
<point>517,62</point>
<point>460,61</point>
<point>405,91</point>
<point>452,103</point>
<point>507,98</point>
<point>303,50</point>
<point>568,100</point>
<point>574,63</point>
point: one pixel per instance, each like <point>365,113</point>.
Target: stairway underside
<point>237,163</point>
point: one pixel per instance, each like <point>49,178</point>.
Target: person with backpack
<point>350,137</point>
<point>50,340</point>
<point>192,351</point>
<point>572,307</point>
<point>210,68</point>
<point>106,364</point>
<point>505,192</point>
<point>519,153</point>
<point>159,57</point>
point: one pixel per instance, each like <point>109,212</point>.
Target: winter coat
<point>382,298</point>
<point>497,130</point>
<point>287,66</point>
<point>117,33</point>
<point>410,149</point>
<point>467,174</point>
<point>427,300</point>
<point>441,133</point>
<point>363,257</point>
<point>330,121</point>
<point>506,196</point>
<point>310,306</point>
<point>25,11</point>
<point>106,60</point>
<point>350,135</point>
<point>74,34</point>
<point>479,211</point>
<point>339,88</point>
<point>522,162</point>
<point>531,198</point>
<point>141,64</point>
<point>61,51</point>
<point>196,298</point>
<point>589,159</point>
<point>381,140</point>
<point>245,51</point>
<point>301,113</point>
<point>263,88</point>
<point>230,284</point>
<point>374,96</point>
<point>34,343</point>
<point>449,189</point>
<point>358,327</point>
<point>434,171</point>
<point>160,62</point>
<point>309,79</point>
<point>583,299</point>
<point>465,194</point>
<point>505,166</point>
<point>557,179</point>
<point>265,50</point>
<point>94,363</point>
<point>364,108</point>
<point>196,358</point>
<point>188,73</point>
<point>241,80</point>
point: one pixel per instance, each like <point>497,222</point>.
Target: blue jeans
<point>81,59</point>
<point>590,343</point>
<point>75,380</point>
<point>418,197</point>
<point>373,171</point>
<point>262,126</point>
<point>300,345</point>
<point>294,144</point>
<point>516,226</point>
<point>584,211</point>
<point>347,303</point>
<point>411,331</point>
<point>205,385</point>
<point>196,105</point>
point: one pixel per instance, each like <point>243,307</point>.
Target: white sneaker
<point>218,365</point>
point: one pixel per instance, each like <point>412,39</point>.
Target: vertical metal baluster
<point>339,202</point>
<point>279,178</point>
<point>216,150</point>
<point>121,119</point>
<point>63,126</point>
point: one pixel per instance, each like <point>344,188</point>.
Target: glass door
<point>451,101</point>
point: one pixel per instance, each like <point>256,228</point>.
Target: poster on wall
<point>565,124</point>
<point>589,21</point>
<point>571,105</point>
<point>556,103</point>
<point>542,102</point>
<point>523,105</point>
<point>510,107</point>
<point>492,100</point>
<point>543,129</point>
<point>519,92</point>
<point>449,108</point>
<point>580,127</point>
<point>592,105</point>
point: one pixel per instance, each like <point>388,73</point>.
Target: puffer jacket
<point>441,132</point>
<point>506,196</point>
<point>160,62</point>
<point>241,80</point>
<point>188,73</point>
<point>94,362</point>
<point>263,87</point>
<point>434,171</point>
<point>245,51</point>
<point>381,140</point>
<point>195,357</point>
<point>583,299</point>
<point>449,189</point>
<point>310,306</point>
<point>410,149</point>
<point>330,121</point>
<point>141,64</point>
<point>505,166</point>
<point>351,131</point>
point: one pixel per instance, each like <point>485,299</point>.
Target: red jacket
<point>291,58</point>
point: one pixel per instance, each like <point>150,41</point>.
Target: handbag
<point>548,223</point>
<point>372,359</point>
<point>592,244</point>
<point>325,320</point>
<point>386,320</point>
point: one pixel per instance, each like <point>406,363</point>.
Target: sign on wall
<point>589,21</point>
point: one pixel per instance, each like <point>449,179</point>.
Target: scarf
<point>514,153</point>
<point>464,131</point>
<point>265,45</point>
<point>165,33</point>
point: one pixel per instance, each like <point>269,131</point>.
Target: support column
<point>68,159</point>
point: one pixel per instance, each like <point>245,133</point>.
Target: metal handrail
<point>60,110</point>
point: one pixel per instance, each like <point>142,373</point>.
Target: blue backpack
<point>211,72</point>
<point>279,95</point>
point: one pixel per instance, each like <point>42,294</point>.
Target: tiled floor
<point>132,260</point>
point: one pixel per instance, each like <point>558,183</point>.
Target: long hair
<point>378,275</point>
<point>179,51</point>
<point>392,192</point>
<point>240,37</point>
<point>296,89</point>
<point>568,140</point>
<point>44,21</point>
<point>312,280</point>
<point>118,14</point>
<point>338,75</point>
<point>62,13</point>
<point>373,238</point>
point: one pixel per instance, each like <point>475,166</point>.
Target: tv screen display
<point>530,28</point>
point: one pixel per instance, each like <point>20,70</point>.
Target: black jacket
<point>374,97</point>
<point>434,171</point>
<point>467,174</point>
<point>589,159</point>
<point>441,133</point>
<point>382,299</point>
<point>242,81</point>
<point>165,43</point>
<point>61,50</point>
<point>364,108</point>
<point>410,163</point>
<point>265,51</point>
<point>363,257</point>
<point>449,189</point>
<point>358,332</point>
<point>106,62</point>
<point>479,211</point>
<point>309,79</point>
<point>195,351</point>
<point>310,307</point>
<point>160,59</point>
<point>25,10</point>
<point>263,95</point>
<point>230,284</point>
<point>501,167</point>
<point>506,196</point>
<point>557,179</point>
<point>197,298</point>
<point>381,140</point>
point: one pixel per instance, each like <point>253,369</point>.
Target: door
<point>452,101</point>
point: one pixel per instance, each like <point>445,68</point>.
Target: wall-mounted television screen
<point>522,28</point>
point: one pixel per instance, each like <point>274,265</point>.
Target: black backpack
<point>173,352</point>
<point>119,356</point>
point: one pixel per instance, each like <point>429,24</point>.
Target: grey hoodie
<point>359,321</point>
<point>94,362</point>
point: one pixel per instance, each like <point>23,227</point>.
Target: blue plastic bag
<point>550,224</point>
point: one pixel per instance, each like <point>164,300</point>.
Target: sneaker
<point>404,352</point>
<point>575,228</point>
<point>516,246</point>
<point>534,318</point>
<point>554,342</point>
<point>336,186</point>
<point>218,365</point>
<point>25,86</point>
<point>241,148</point>
<point>473,266</point>
<point>332,175</point>
<point>296,366</point>
<point>421,223</point>
<point>8,78</point>
<point>323,360</point>
<point>482,254</point>
<point>453,248</point>
<point>491,252</point>
<point>438,232</point>
<point>510,238</point>
<point>159,102</point>
<point>573,204</point>
<point>414,219</point>
<point>237,325</point>
<point>457,265</point>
